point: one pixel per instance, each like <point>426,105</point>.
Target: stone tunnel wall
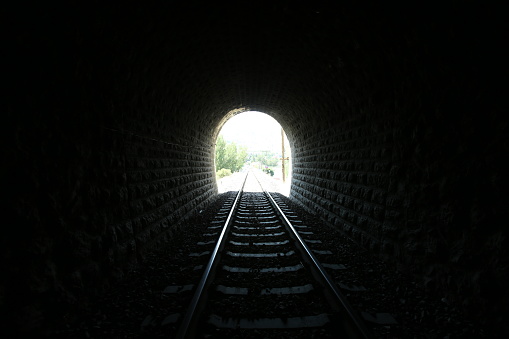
<point>343,174</point>
<point>408,192</point>
<point>107,162</point>
<point>411,167</point>
<point>167,183</point>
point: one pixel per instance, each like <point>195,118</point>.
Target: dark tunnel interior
<point>395,115</point>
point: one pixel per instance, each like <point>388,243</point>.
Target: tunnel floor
<point>272,183</point>
<point>137,307</point>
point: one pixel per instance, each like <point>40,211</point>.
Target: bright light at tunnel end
<point>264,142</point>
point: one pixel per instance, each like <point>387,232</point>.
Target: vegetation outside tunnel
<point>263,139</point>
<point>230,157</point>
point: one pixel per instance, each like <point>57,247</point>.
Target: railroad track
<point>263,279</point>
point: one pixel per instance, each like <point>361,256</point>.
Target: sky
<point>258,131</point>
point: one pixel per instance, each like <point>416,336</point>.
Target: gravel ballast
<point>392,303</point>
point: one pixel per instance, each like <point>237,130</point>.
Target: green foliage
<point>223,172</point>
<point>266,158</point>
<point>268,171</point>
<point>229,155</point>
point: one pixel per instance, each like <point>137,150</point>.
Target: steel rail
<point>188,323</point>
<point>321,274</point>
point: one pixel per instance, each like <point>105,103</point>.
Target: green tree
<point>223,173</point>
<point>266,158</point>
<point>229,155</point>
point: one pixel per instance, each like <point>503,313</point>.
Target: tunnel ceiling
<point>286,60</point>
<point>280,60</point>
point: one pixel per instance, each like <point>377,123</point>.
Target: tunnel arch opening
<point>248,140</point>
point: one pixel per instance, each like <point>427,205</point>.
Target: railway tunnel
<point>394,115</point>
